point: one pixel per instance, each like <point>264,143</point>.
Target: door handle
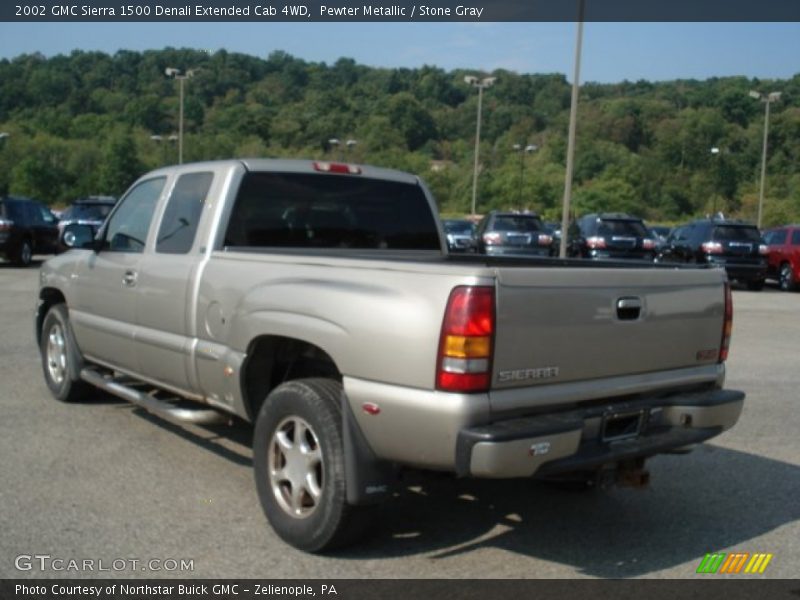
<point>629,308</point>
<point>129,278</point>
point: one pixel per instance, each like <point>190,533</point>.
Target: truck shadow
<point>715,499</point>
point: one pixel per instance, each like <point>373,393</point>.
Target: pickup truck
<point>318,301</point>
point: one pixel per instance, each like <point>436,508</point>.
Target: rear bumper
<point>593,436</point>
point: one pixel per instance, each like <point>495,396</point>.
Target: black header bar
<point>399,10</point>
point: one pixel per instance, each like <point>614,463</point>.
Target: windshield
<point>89,212</point>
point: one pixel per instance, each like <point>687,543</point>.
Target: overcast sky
<point>612,52</point>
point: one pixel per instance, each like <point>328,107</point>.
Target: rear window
<point>517,223</point>
<point>621,228</point>
<point>458,227</point>
<point>731,233</point>
<point>293,210</point>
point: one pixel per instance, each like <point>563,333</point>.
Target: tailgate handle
<point>629,309</point>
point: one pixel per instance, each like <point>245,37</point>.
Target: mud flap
<point>368,480</point>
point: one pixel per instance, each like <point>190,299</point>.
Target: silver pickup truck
<point>318,301</point>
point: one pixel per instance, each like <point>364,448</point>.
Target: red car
<point>784,255</point>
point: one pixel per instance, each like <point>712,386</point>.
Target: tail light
<point>545,239</point>
<point>596,242</point>
<point>492,238</point>
<point>763,250</point>
<point>465,347</point>
<point>711,247</point>
<point>648,244</point>
<point>5,225</point>
<point>727,324</point>
<point>340,168</point>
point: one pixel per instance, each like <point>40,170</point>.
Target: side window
<point>796,237</point>
<point>127,229</point>
<point>182,214</point>
<point>45,215</point>
<point>775,238</point>
<point>32,214</point>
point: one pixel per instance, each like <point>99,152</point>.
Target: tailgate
<point>557,325</point>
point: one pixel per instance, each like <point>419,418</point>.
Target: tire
<point>298,459</point>
<point>786,278</point>
<point>24,254</point>
<point>61,359</point>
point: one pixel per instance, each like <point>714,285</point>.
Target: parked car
<point>610,235</point>
<point>460,235</point>
<point>783,255</point>
<point>513,233</point>
<point>91,211</point>
<point>733,245</point>
<point>27,227</point>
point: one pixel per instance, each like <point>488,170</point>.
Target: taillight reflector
<point>341,168</point>
<point>727,324</point>
<point>465,348</point>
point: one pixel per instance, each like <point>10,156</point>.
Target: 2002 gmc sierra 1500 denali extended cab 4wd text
<point>317,300</point>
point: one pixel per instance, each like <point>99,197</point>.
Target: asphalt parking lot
<point>106,481</point>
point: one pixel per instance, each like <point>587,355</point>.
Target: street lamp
<point>715,153</point>
<point>158,139</point>
<point>176,74</point>
<point>348,145</point>
<point>766,99</point>
<point>529,149</point>
<point>480,84</point>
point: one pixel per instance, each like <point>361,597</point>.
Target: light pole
<point>529,149</point>
<point>4,135</point>
<point>766,99</point>
<point>573,117</point>
<point>481,84</point>
<point>176,74</point>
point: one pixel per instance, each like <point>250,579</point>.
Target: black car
<point>734,245</point>
<point>27,227</point>
<point>514,233</point>
<point>91,211</point>
<point>460,235</point>
<point>610,236</point>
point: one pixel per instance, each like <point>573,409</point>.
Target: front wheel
<point>298,456</point>
<point>61,359</point>
<point>786,278</point>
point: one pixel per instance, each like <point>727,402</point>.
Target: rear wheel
<point>786,278</point>
<point>24,254</point>
<point>298,456</point>
<point>61,359</point>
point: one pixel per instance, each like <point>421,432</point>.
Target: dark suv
<point>610,235</point>
<point>27,227</point>
<point>733,245</point>
<point>513,233</point>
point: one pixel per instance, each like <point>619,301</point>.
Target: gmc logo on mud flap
<point>525,374</point>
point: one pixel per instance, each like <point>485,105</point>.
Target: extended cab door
<point>165,304</point>
<point>105,283</point>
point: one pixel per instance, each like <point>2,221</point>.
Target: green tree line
<point>84,124</point>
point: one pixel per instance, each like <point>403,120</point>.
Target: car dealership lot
<point>105,481</point>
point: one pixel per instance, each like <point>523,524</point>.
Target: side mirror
<point>76,235</point>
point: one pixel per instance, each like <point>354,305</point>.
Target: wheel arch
<point>274,359</point>
<point>48,297</point>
